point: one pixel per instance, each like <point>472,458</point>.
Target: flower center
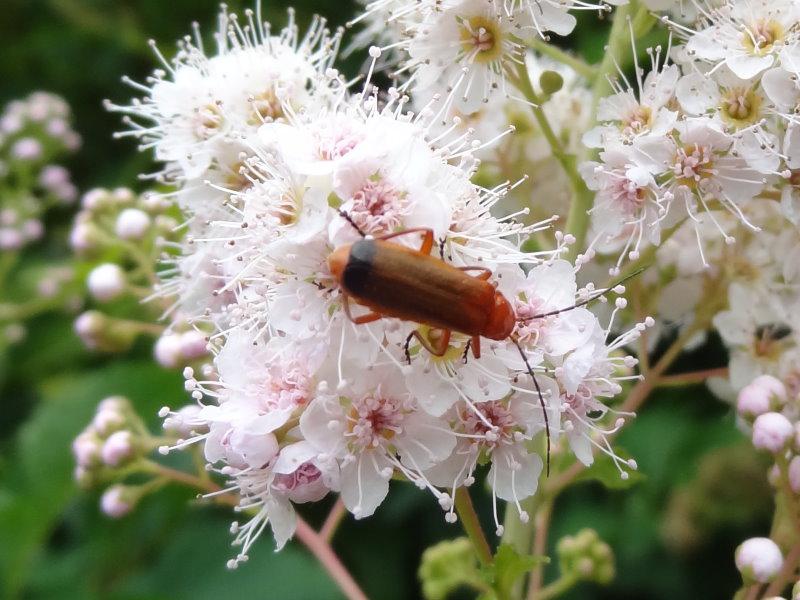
<point>378,207</point>
<point>374,419</point>
<point>334,141</point>
<point>305,474</point>
<point>761,36</point>
<point>480,38</point>
<point>693,163</point>
<point>638,120</point>
<point>768,339</point>
<point>208,121</point>
<point>741,106</point>
<point>266,107</point>
<point>497,419</point>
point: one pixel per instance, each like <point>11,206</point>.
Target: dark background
<point>673,533</point>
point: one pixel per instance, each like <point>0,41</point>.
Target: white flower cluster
<point>466,50</point>
<point>277,165</point>
<point>705,136</point>
<point>33,132</point>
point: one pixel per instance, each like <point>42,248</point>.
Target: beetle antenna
<point>541,398</point>
<point>350,220</point>
<point>591,298</point>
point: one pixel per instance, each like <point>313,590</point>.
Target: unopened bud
<point>132,224</point>
<point>168,350</point>
<point>551,82</point>
<point>118,500</point>
<point>118,448</point>
<point>759,560</point>
<point>193,345</point>
<point>106,282</point>
<point>772,432</point>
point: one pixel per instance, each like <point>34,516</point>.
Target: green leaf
<point>508,567</point>
<point>38,485</point>
<point>606,472</point>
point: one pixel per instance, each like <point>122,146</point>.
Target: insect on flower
<point>396,281</point>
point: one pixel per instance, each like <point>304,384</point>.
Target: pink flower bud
<point>108,420</point>
<point>32,229</point>
<point>11,239</point>
<point>132,224</point>
<point>168,350</point>
<point>53,176</point>
<point>761,395</point>
<point>118,448</point>
<point>773,386</point>
<point>27,149</point>
<point>193,345</point>
<point>758,560</point>
<point>772,432</point>
<point>94,198</point>
<point>117,501</point>
<point>106,282</point>
<point>86,449</point>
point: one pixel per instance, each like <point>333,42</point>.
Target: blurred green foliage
<point>673,532</point>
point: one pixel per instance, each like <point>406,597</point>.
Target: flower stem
<point>691,378</point>
<point>323,552</point>
<point>787,574</point>
<point>558,587</point>
<point>542,524</point>
<point>472,526</point>
<point>565,58</point>
<point>334,518</point>
<point>581,195</point>
<point>317,543</point>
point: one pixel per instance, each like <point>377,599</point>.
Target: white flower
<point>745,36</point>
<point>373,431</point>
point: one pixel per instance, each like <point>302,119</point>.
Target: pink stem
<point>333,520</point>
<point>323,552</point>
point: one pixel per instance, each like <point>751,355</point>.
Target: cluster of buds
<point>108,448</point>
<point>121,236</point>
<point>770,408</point>
<point>34,132</point>
<point>585,557</point>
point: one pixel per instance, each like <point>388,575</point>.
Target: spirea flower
<point>299,400</point>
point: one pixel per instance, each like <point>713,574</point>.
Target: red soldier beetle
<point>393,280</point>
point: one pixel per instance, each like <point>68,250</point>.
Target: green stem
<point>582,196</point>
<point>471,525</point>
<point>558,587</point>
<point>565,58</point>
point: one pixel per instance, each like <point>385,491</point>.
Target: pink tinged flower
<point>372,435</point>
<point>11,239</point>
<point>118,448</point>
<point>759,560</point>
<point>772,432</point>
<point>132,224</point>
<point>117,501</point>
<point>301,475</point>
<point>238,448</point>
<point>106,282</point>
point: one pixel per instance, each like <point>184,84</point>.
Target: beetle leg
<point>441,248</point>
<point>438,348</point>
<point>484,272</point>
<point>475,342</point>
<point>361,319</point>
<point>427,238</point>
<point>466,350</point>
